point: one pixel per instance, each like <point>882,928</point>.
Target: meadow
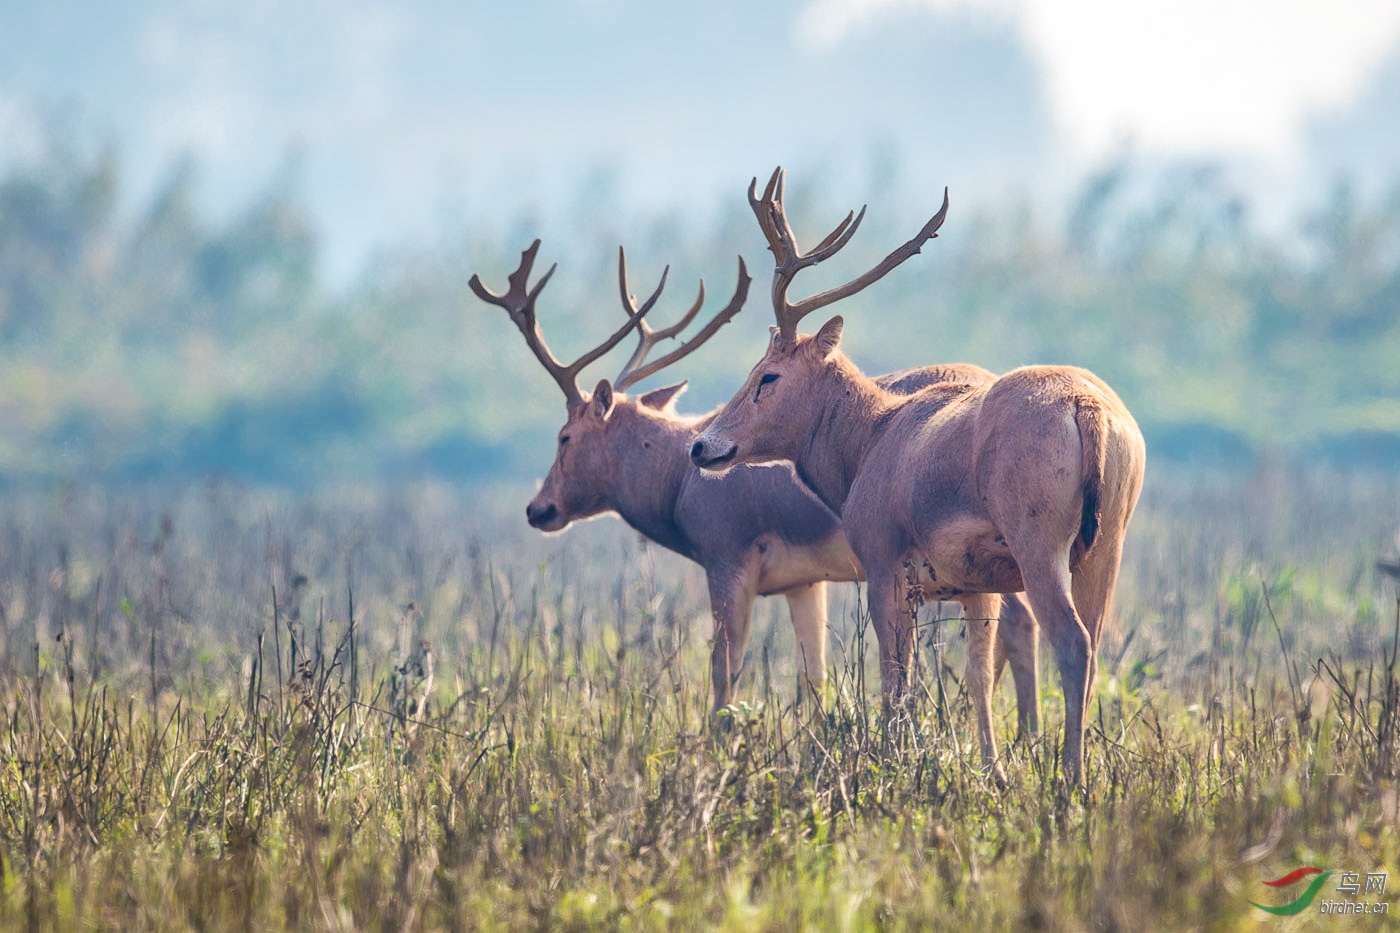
<point>278,651</point>
<point>398,708</point>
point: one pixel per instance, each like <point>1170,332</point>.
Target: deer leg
<point>1048,587</point>
<point>999,660</point>
<point>731,602</point>
<point>894,631</point>
<point>1093,584</point>
<point>1018,642</point>
<point>807,608</point>
<point>981,614</point>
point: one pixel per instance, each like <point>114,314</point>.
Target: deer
<point>966,491</point>
<point>755,531</point>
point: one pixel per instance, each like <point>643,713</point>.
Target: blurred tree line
<point>167,346</point>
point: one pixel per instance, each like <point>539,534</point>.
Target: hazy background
<point>235,234</point>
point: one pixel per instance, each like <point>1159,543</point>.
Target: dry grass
<point>181,753</point>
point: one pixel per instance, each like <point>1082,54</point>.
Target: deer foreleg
<point>807,607</point>
<point>893,621</point>
<point>731,602</point>
<point>981,613</point>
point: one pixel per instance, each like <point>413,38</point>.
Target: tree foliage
<point>169,344</point>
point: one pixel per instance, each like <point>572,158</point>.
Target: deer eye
<point>563,440</point>
<point>767,379</point>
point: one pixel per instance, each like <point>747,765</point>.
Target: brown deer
<point>755,531</point>
<point>967,491</point>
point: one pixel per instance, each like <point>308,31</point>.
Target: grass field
<point>513,733</point>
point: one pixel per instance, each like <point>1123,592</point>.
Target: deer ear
<point>829,336</point>
<point>659,399</point>
<point>602,402</point>
<point>777,340</point>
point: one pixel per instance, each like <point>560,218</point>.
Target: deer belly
<point>965,555</point>
<point>782,565</point>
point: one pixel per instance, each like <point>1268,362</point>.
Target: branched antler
<point>789,260</point>
<point>519,303</point>
<point>634,370</point>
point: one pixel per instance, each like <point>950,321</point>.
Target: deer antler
<point>772,219</point>
<point>519,302</point>
<point>634,371</point>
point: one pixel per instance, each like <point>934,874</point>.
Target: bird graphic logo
<point>1301,902</point>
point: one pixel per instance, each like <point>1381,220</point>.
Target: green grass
<point>185,756</point>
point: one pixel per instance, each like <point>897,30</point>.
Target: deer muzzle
<point>715,454</point>
<point>543,515</point>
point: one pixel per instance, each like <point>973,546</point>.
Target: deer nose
<point>538,515</point>
<point>705,454</point>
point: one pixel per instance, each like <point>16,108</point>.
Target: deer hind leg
<point>1093,584</point>
<point>731,603</point>
<point>1017,642</point>
<point>1048,587</point>
<point>1096,577</point>
<point>981,614</point>
<point>807,608</point>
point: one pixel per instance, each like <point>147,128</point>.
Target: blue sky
<point>400,118</point>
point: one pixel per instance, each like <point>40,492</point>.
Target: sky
<point>396,120</point>
<point>1193,77</point>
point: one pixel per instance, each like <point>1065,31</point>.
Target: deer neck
<point>652,464</point>
<point>850,414</point>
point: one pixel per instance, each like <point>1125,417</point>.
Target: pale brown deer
<point>755,531</point>
<point>967,491</point>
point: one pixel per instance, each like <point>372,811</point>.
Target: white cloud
<point>365,45</point>
<point>21,131</point>
<point>826,22</point>
<point>1191,76</point>
<point>235,70</point>
<point>210,104</point>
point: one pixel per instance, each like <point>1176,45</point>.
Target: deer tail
<point>1092,421</point>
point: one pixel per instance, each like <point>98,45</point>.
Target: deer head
<point>595,433</point>
<point>765,419</point>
